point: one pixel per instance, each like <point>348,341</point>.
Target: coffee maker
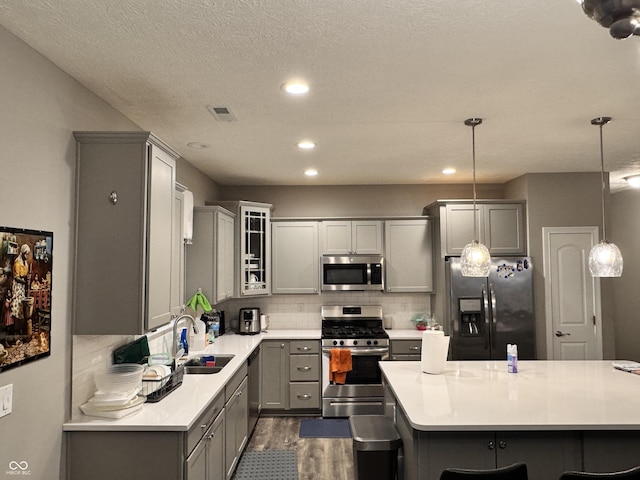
<point>249,321</point>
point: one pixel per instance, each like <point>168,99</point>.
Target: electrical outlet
<point>6,399</point>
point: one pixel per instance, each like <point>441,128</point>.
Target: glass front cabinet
<point>253,246</point>
<point>255,249</point>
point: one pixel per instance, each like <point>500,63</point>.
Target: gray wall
<point>560,200</point>
<point>354,200</point>
<point>623,294</point>
<point>41,107</point>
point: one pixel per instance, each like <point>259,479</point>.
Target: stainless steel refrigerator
<point>487,313</point>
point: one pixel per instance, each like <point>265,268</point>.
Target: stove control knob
<point>375,342</point>
<point>368,342</point>
<point>341,342</point>
<point>355,342</point>
<point>335,342</point>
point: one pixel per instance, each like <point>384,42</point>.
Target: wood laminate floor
<point>318,458</point>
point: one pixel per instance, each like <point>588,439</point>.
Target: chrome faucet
<point>178,319</point>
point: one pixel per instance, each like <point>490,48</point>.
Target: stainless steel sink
<point>198,364</point>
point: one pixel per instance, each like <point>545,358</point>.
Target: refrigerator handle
<point>487,325</point>
<point>494,317</point>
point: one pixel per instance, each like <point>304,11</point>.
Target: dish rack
<point>156,389</point>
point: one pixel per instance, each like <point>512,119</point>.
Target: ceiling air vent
<point>222,114</point>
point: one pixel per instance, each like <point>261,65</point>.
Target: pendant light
<point>605,259</point>
<point>475,260</point>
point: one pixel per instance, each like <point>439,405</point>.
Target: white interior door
<point>572,296</point>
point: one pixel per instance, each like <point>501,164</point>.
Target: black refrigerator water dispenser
<point>470,317</point>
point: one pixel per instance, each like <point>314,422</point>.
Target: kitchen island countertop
<point>180,409</point>
<point>404,333</point>
<point>543,395</point>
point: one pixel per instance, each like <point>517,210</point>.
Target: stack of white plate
<point>113,405</point>
<point>117,394</point>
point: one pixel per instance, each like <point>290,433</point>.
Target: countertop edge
<point>197,391</point>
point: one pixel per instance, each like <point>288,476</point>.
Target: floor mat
<point>268,465</point>
<point>325,428</point>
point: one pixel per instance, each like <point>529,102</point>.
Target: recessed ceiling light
<point>311,172</point>
<point>306,145</point>
<point>295,88</point>
<point>449,171</point>
<point>633,180</point>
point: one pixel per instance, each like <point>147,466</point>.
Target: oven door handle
<point>356,351</point>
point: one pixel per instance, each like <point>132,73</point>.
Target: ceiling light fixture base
<point>621,17</point>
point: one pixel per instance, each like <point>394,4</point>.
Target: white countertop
<point>404,334</point>
<point>543,395</point>
<point>180,409</point>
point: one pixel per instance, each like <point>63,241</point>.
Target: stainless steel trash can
<point>375,447</point>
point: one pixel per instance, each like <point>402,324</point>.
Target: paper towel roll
<point>435,347</point>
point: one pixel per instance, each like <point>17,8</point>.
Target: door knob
<point>561,334</point>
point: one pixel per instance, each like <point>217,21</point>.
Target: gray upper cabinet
<point>408,255</point>
<point>295,258</point>
<point>500,226</point>
<point>124,233</point>
<point>210,258</point>
<point>177,254</point>
<point>347,237</point>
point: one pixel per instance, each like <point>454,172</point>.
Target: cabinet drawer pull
<point>304,369</point>
<point>304,349</point>
<point>211,436</point>
<point>491,445</point>
<point>204,426</point>
<point>415,347</point>
<point>502,444</point>
<point>306,396</point>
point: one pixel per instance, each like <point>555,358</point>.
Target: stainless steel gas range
<point>358,329</point>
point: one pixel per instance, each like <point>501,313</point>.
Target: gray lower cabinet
<point>291,375</point>
<point>406,349</point>
<point>275,375</point>
<point>546,453</point>
<point>197,454</point>
<point>304,375</point>
<point>124,233</point>
<point>206,462</point>
<point>606,451</point>
<point>236,420</point>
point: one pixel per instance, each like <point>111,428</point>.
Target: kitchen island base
<point>554,416</point>
<point>546,454</point>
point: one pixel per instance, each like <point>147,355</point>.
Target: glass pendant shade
<point>475,260</point>
<point>605,260</point>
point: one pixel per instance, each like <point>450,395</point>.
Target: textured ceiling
<point>391,83</point>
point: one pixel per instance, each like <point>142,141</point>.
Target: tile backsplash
<point>93,353</point>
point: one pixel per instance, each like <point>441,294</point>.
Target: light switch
<point>6,399</point>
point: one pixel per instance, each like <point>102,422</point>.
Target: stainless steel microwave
<point>352,272</point>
